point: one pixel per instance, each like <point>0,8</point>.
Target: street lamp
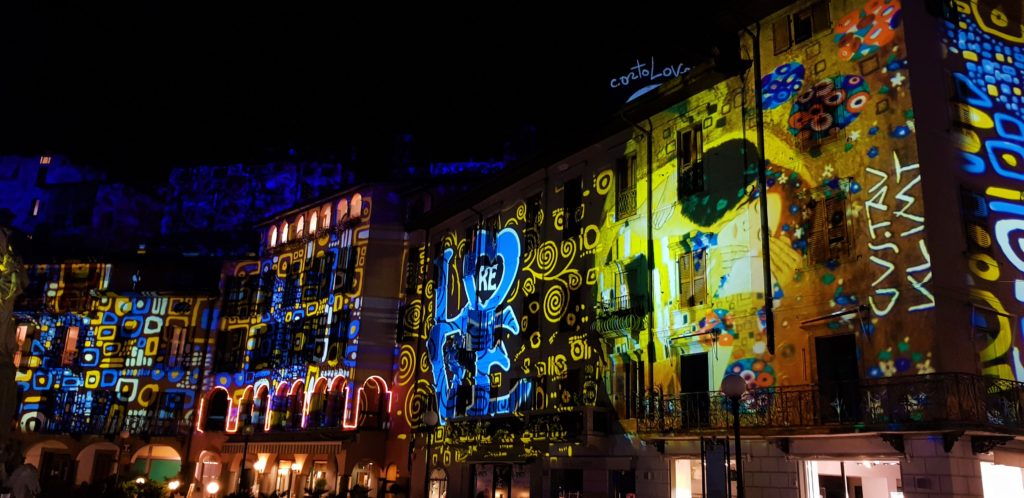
<point>247,431</point>
<point>296,468</point>
<point>259,467</point>
<point>212,488</point>
<point>430,419</point>
<point>734,387</point>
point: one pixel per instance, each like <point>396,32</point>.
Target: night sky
<point>139,90</point>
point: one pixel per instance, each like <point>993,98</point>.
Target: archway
<point>158,462</point>
<point>366,474</point>
<point>55,463</point>
<point>438,487</point>
<point>374,401</point>
<point>278,417</point>
<point>96,462</point>
<point>316,413</point>
<point>260,407</point>
<point>208,470</point>
<point>245,406</point>
<point>296,405</point>
<point>336,397</point>
<point>215,416</point>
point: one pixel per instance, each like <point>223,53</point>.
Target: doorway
<point>838,378</point>
<point>694,385</point>
<point>55,472</point>
<point>853,479</point>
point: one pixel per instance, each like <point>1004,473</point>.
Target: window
<point>344,272</point>
<point>70,347</point>
<point>342,211</point>
<point>45,159</point>
<point>691,161</point>
<point>572,201</point>
<point>35,207</point>
<point>273,236</point>
<point>355,210</point>
<point>801,26</point>
<point>284,233</point>
<point>300,225</point>
<point>625,187</point>
<point>693,288</point>
<point>325,216</point>
<point>239,295</point>
<point>533,209</point>
<point>312,223</point>
<point>827,238</point>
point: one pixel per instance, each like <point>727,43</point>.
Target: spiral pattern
<point>406,365</point>
<point>413,316</point>
<point>567,249</point>
<point>428,290</point>
<point>521,211</point>
<point>417,402</point>
<point>424,362</point>
<point>603,183</point>
<point>554,303</point>
<point>546,257</point>
<point>558,219</point>
<point>529,286</point>
<point>573,279</point>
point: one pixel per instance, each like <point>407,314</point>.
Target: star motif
<point>854,135</point>
<point>910,124</point>
<point>799,233</point>
<point>897,80</point>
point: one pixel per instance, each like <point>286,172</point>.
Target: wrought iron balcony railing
<point>947,401</point>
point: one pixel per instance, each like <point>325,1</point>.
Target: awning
<point>287,448</point>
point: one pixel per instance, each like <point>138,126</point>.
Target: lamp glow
<point>259,466</point>
<point>140,481</point>
<point>296,467</point>
<point>213,487</point>
<point>282,471</point>
<point>174,485</point>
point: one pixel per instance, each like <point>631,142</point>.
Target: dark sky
<point>138,90</point>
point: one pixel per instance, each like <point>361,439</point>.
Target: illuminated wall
<point>291,323</point>
<point>537,299</point>
<point>97,362</point>
<point>984,44</point>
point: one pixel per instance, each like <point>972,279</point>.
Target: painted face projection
<point>466,348</point>
<point>728,168</point>
<point>782,84</point>
<point>864,31</point>
<point>826,107</point>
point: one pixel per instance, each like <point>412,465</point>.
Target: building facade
<point>564,329</point>
<point>572,328</point>
<point>108,378</point>
<point>303,369</point>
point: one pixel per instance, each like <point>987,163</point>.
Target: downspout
<point>651,354</point>
<point>762,184</point>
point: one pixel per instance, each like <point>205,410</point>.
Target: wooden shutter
<point>780,35</point>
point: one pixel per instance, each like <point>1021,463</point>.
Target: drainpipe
<point>762,184</point>
<point>651,354</point>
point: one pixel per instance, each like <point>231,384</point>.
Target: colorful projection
<point>985,51</point>
<point>846,230</point>
<point>122,361</point>
<point>467,346</point>
<point>290,332</point>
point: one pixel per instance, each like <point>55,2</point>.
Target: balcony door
<point>694,386</point>
<point>838,378</point>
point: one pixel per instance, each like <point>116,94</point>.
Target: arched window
<point>342,211</point>
<point>373,403</point>
<point>245,410</point>
<point>279,407</point>
<point>335,402</point>
<point>326,215</point>
<point>273,236</point>
<point>316,412</point>
<point>438,483</point>
<point>312,223</point>
<point>284,232</point>
<point>261,403</point>
<point>216,416</point>
<point>296,403</point>
<point>300,225</point>
<point>356,209</point>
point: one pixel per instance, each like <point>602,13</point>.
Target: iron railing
<point>625,204</point>
<point>954,401</point>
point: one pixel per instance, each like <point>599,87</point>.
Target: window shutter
<point>700,288</point>
<point>817,246</point>
<point>819,17</point>
<point>780,35</point>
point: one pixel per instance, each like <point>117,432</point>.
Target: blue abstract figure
<point>463,349</point>
<point>781,84</point>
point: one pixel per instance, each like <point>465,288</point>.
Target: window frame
<point>694,165</point>
<point>688,279</point>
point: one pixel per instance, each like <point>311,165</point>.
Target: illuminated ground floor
<point>854,466</point>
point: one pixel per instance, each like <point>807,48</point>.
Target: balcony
<point>621,316</point>
<point>625,204</point>
<point>921,402</point>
